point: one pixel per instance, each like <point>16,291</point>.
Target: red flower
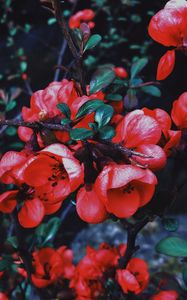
<point>125,188</point>
<point>89,207</point>
<point>3,296</point>
<point>170,138</point>
<point>120,72</point>
<point>141,132</point>
<point>135,277</point>
<point>8,201</point>
<point>12,166</point>
<point>169,27</point>
<point>85,15</point>
<point>166,295</point>
<point>50,265</point>
<point>87,280</point>
<point>179,111</point>
<point>166,65</point>
<point>55,171</point>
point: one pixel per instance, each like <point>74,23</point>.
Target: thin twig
<point>35,125</point>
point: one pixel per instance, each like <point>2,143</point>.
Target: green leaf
<point>101,79</point>
<point>172,246</point>
<point>103,115</point>
<point>65,121</point>
<point>13,241</point>
<point>92,42</point>
<point>78,134</point>
<point>51,21</point>
<point>5,263</point>
<point>10,105</point>
<point>114,97</point>
<point>89,107</point>
<point>64,109</point>
<point>138,66</point>
<point>11,131</point>
<point>106,133</point>
<point>48,230</point>
<point>23,66</point>
<point>170,224</point>
<point>151,90</point>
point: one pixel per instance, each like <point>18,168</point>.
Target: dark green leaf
<point>65,121</point>
<point>11,131</point>
<point>48,230</point>
<point>101,79</point>
<point>64,109</point>
<point>151,90</point>
<point>89,107</point>
<point>10,105</point>
<point>5,263</point>
<point>106,133</point>
<point>172,246</point>
<point>114,97</point>
<point>103,115</point>
<point>13,241</point>
<point>92,42</point>
<point>170,224</point>
<point>78,134</point>
<point>138,66</point>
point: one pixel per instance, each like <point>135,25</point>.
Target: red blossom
<point>50,265</point>
<point>166,65</point>
<point>166,295</point>
<point>169,25</point>
<point>121,72</point>
<point>85,15</point>
<point>89,207</point>
<point>135,277</point>
<point>142,132</point>
<point>179,111</point>
<point>125,188</point>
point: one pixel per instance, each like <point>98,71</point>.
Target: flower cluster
<point>114,177</point>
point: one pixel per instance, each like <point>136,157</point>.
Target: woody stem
<point>76,54</point>
<point>132,232</point>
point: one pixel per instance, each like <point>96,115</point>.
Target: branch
<point>35,125</point>
<point>66,32</point>
<point>132,232</point>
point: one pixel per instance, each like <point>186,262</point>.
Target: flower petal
<point>31,213</point>
<point>166,65</point>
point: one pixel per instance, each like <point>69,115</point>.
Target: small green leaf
<point>101,79</point>
<point>5,263</point>
<point>172,246</point>
<point>170,224</point>
<point>10,105</point>
<point>103,115</point>
<point>47,230</point>
<point>23,66</point>
<point>114,97</point>
<point>11,131</point>
<point>64,109</point>
<point>78,134</point>
<point>151,90</point>
<point>13,241</point>
<point>138,66</point>
<point>92,42</point>
<point>65,121</point>
<point>89,107</point>
<point>106,133</point>
<point>51,21</point>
